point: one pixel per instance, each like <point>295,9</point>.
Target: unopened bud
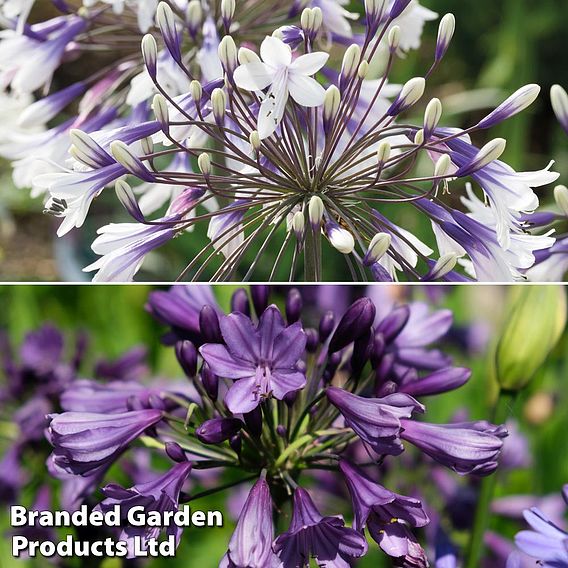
<point>446,31</point>
<point>196,91</point>
<point>378,247</point>
<point>533,326</point>
<point>350,64</point>
<point>298,225</point>
<point>341,239</point>
<point>124,156</point>
<point>218,104</point>
<point>218,430</point>
<point>383,152</point>
<point>166,21</point>
<point>227,11</point>
<point>194,16</point>
<point>227,52</point>
<point>409,95</point>
<point>147,145</point>
<point>254,140</point>
<point>432,116</point>
<point>561,198</point>
<point>375,10</point>
<point>419,137</point>
<point>204,163</point>
<point>393,38</point>
<point>444,265</point>
<point>186,354</point>
<point>489,153</point>
<point>363,69</point>
<point>356,321</point>
<point>559,100</point>
<point>398,7</point>
<point>294,305</point>
<point>150,54</point>
<point>128,200</point>
<point>331,104</point>
<point>160,107</point>
<point>315,211</point>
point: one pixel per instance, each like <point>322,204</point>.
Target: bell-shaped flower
<point>160,495</point>
<point>284,77</point>
<point>261,360</point>
<point>310,535</point>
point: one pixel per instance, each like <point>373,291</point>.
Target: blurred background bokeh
<point>115,321</point>
<point>499,45</point>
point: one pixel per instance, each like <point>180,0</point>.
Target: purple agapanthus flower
<point>161,495</point>
<point>469,447</point>
<point>386,515</point>
<point>377,421</point>
<point>85,441</point>
<point>310,535</point>
<point>251,543</point>
<point>261,360</point>
<point>546,542</point>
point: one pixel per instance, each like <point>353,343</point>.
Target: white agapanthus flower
<point>285,77</point>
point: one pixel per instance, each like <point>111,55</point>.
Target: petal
<point>306,91</point>
<point>271,112</point>
<point>275,52</point>
<point>253,76</point>
<point>241,337</point>
<point>540,523</point>
<point>284,382</point>
<point>270,326</point>
<point>241,397</point>
<point>223,364</point>
<point>309,64</point>
<point>539,546</point>
<point>289,346</point>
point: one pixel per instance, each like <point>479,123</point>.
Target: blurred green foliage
<point>115,319</point>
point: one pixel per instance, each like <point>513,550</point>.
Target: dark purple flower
<point>377,421</point>
<point>12,477</point>
<point>355,322</point>
<point>396,540</point>
<point>468,447</point>
<point>438,382</point>
<point>31,419</point>
<point>161,494</point>
<point>85,441</point>
<point>131,366</point>
<point>310,535</point>
<point>42,351</point>
<point>251,543</point>
<point>218,430</point>
<point>546,542</point>
<point>260,360</point>
<point>179,308</point>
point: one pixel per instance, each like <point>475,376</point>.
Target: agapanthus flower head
<point>282,141</point>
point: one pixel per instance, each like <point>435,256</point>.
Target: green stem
<point>310,256</point>
<point>501,413</point>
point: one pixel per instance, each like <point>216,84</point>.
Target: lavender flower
<point>260,360</point>
<point>311,535</point>
<point>161,495</point>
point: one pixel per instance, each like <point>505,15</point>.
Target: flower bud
<point>340,238</point>
<point>89,151</point>
<point>209,325</point>
<point>378,247</point>
<point>398,7</point>
<point>217,430</point>
<point>383,153</point>
<point>186,354</point>
<point>254,140</point>
<point>393,38</point>
<point>409,95</point>
<point>166,21</point>
<point>150,54</point>
<point>331,104</point>
<point>419,137</point>
<point>312,340</point>
<point>444,265</point>
<point>489,153</point>
<point>259,294</point>
<point>253,420</point>
<point>326,325</point>
<point>228,56</point>
<point>446,31</point>
<point>175,452</point>
<point>247,55</point>
<point>299,225</point>
<point>559,100</point>
<point>227,12</point>
<point>125,157</point>
<point>443,165</point>
<point>432,116</point>
<point>218,104</point>
<point>532,327</point>
<point>128,200</point>
<point>294,306</point>
<point>561,198</point>
<point>147,145</point>
<point>350,64</point>
<point>194,16</point>
<point>160,107</point>
<point>356,321</point>
<point>375,10</point>
<point>362,70</point>
<point>210,382</point>
<point>516,103</point>
<point>196,91</point>
<point>204,163</point>
<point>391,326</point>
<point>315,212</point>
<point>240,302</point>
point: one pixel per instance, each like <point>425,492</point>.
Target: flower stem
<point>501,412</point>
<point>312,269</point>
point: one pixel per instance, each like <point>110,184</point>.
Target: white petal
<point>275,52</point>
<point>306,91</point>
<point>253,76</point>
<point>271,111</point>
<point>310,63</point>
